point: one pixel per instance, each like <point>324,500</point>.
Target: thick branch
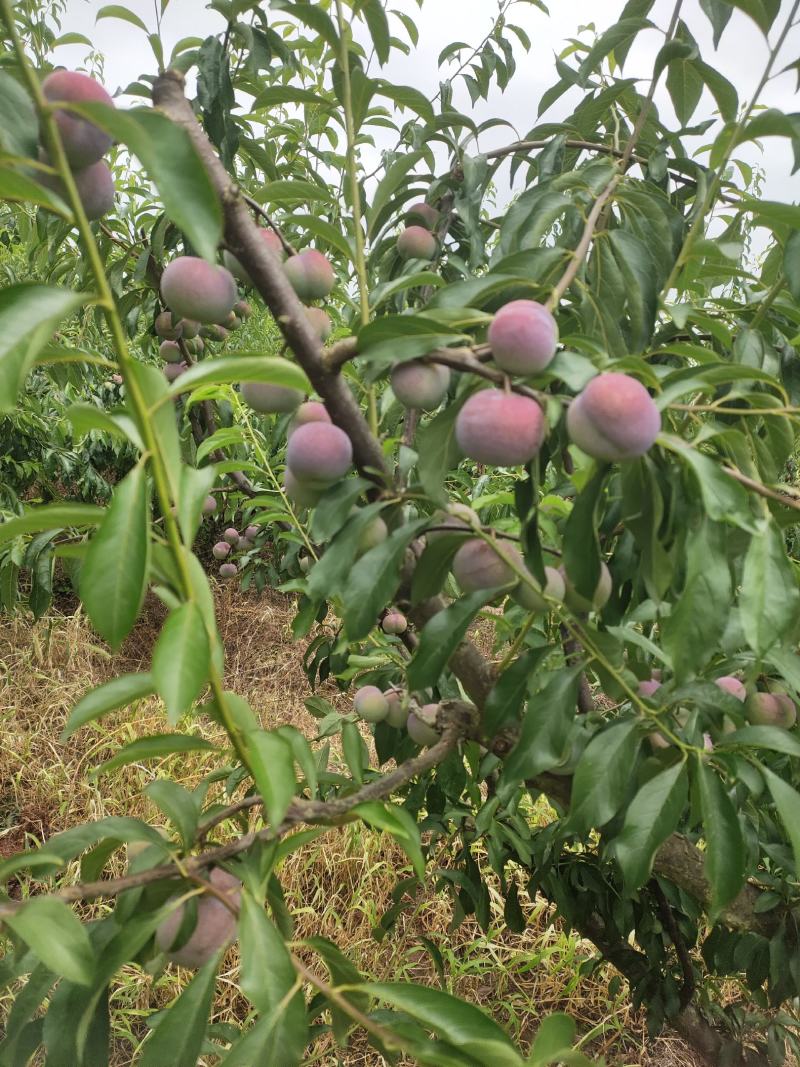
<point>242,237</point>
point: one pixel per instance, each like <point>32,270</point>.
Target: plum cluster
<point>233,542</point>
<point>373,705</point>
<point>84,143</point>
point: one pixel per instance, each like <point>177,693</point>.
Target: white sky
<point>741,57</point>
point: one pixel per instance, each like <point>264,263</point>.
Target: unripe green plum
<point>533,600</point>
<point>95,186</point>
<point>310,411</point>
<point>501,429</point>
<point>221,550</point>
<point>301,493</point>
<point>601,596</point>
<point>397,715</point>
<point>209,504</point>
<point>422,214</point>
<point>614,418</point>
<point>270,399</point>
<point>320,322</point>
<point>84,142</point>
<point>216,923</point>
<point>272,243</point>
<point>523,337</point>
<point>174,370</point>
<point>370,704</point>
<point>476,566</point>
<point>215,331</point>
<point>195,345</point>
<point>732,685</point>
<point>170,351</point>
<point>231,535</point>
<point>374,533</point>
<point>310,274</point>
<point>319,453</point>
<point>421,725</point>
<point>770,709</point>
<point>395,623</point>
<point>228,570</point>
<point>415,242</point>
<point>195,289</point>
<point>304,563</point>
<point>168,326</point>
<point>420,385</point>
<point>190,329</point>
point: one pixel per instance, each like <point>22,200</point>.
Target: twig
<point>668,919</point>
<point>762,490</point>
<point>288,248</point>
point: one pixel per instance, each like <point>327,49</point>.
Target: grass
<point>337,887</point>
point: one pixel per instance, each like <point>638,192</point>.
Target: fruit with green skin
<point>95,187</point>
<point>370,704</point>
<point>319,453</point>
<point>215,926</point>
<point>421,725</point>
<point>732,685</point>
<point>301,493</point>
<point>168,326</point>
<point>304,563</point>
<point>195,345</point>
<point>310,274</point>
<point>477,566</point>
<point>523,337</point>
<point>614,418</point>
<point>209,504</point>
<point>422,214</point>
<point>533,599</point>
<point>174,370</point>
<point>215,332</point>
<point>374,533</point>
<point>320,322</point>
<point>170,351</point>
<point>272,243</point>
<point>415,242</point>
<point>195,289</point>
<point>397,715</point>
<point>602,592</point>
<point>221,550</point>
<point>190,328</point>
<point>252,532</point>
<point>420,385</point>
<point>310,411</point>
<point>84,142</point>
<point>770,709</point>
<point>269,399</point>
<point>228,570</point>
<point>231,535</point>
<point>394,623</point>
<point>501,429</point>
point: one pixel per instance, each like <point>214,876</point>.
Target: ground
<point>337,887</point>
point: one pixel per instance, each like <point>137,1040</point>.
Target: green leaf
<point>54,932</point>
<point>284,190</point>
<point>117,11</point>
<point>242,368</point>
<point>195,487</point>
<point>433,566</point>
<point>315,18</point>
<point>463,1025</point>
<point>290,94</point>
<point>581,543</point>
<point>29,315</point>
<point>271,761</point>
<point>775,738</point>
<point>374,580</point>
<point>378,25</point>
<point>19,123</point>
<point>620,33</point>
<point>181,807</point>
<point>769,601</point>
<point>719,13</point>
<point>181,659</point>
<point>555,1034</point>
<point>406,96</point>
<point>724,499</point>
<point>50,517</point>
<point>178,1039</point>
<point>441,636</point>
<point>602,776</point>
<point>334,567</point>
<point>723,91</point>
<point>326,233</point>
<point>171,160</point>
<point>546,729</point>
<point>791,263</point>
<point>118,693</point>
<point>508,693</point>
<point>113,578</point>
<point>685,87</point>
<point>787,801</point>
<point>725,853</point>
<point>762,12</point>
<point>651,817</point>
<point>393,179</point>
<point>438,450</point>
<point>336,504</point>
<point>156,747</point>
<point>19,188</point>
<point>400,824</point>
<point>160,420</point>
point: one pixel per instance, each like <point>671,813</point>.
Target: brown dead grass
<point>337,887</point>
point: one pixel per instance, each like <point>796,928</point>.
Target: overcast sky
<point>741,57</point>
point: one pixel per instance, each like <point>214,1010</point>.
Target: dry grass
<point>337,887</point>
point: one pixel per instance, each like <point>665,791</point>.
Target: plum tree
<point>523,337</point>
<point>370,704</point>
<point>269,399</point>
<point>221,550</point>
<point>531,596</point>
<point>476,565</point>
<point>195,289</point>
<point>310,274</point>
<point>320,322</point>
<point>394,622</point>
<point>416,242</point>
<point>770,709</point>
<point>170,351</point>
<point>215,926</point>
<point>614,418</point>
<point>577,603</point>
<point>420,385</point>
<point>422,214</point>
<point>319,453</point>
<point>421,725</point>
<point>502,429</point>
<point>310,411</point>
<point>84,142</point>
